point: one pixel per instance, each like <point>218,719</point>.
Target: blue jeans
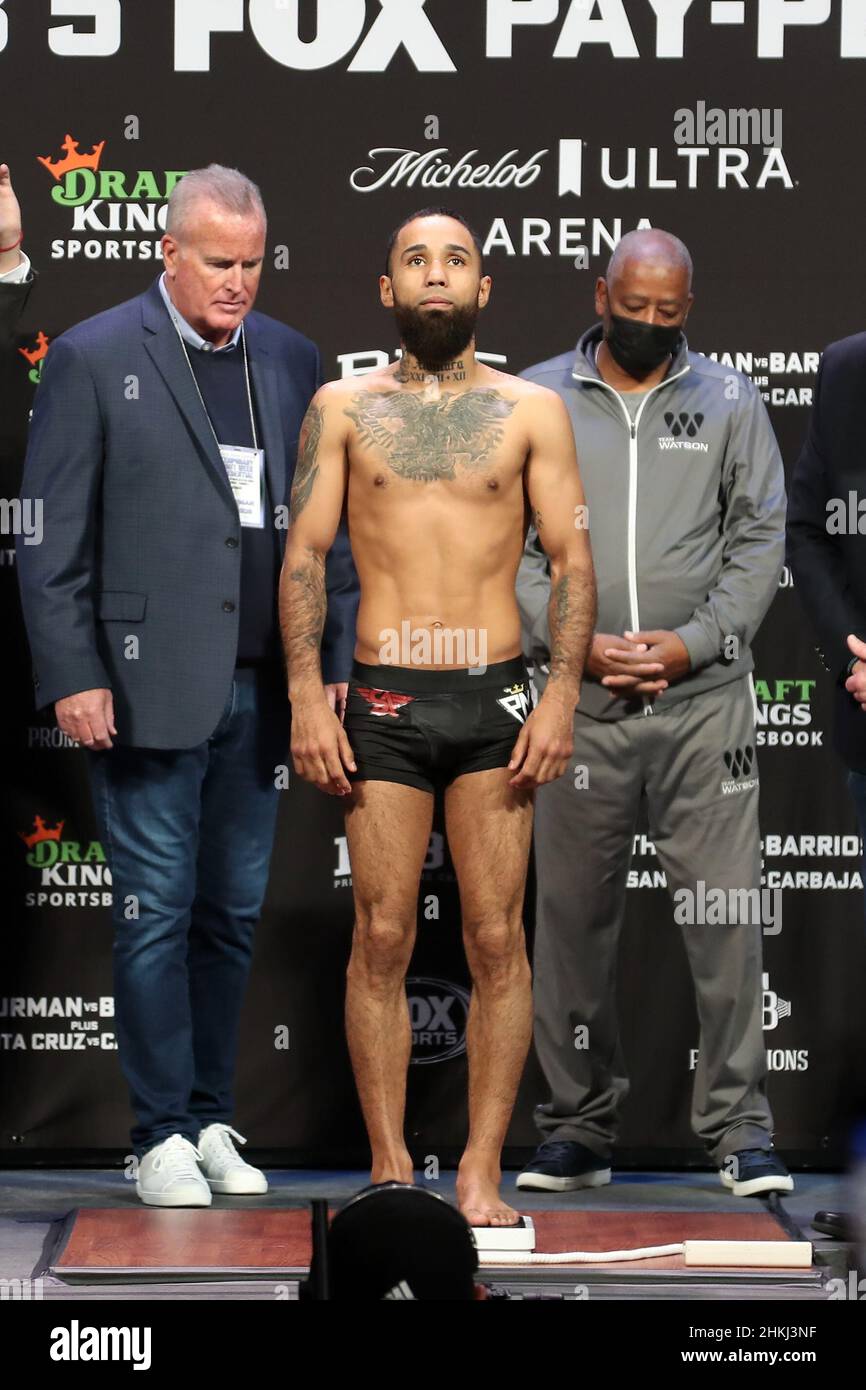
<point>188,835</point>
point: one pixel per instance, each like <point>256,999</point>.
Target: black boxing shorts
<point>425,727</point>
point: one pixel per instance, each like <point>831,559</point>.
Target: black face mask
<point>640,347</point>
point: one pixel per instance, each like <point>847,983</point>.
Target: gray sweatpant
<point>696,762</point>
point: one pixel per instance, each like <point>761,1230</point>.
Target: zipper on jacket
<point>631,530</point>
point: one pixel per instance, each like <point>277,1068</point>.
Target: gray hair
<point>228,188</point>
<point>650,243</point>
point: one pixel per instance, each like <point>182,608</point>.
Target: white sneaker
<point>223,1166</point>
<point>169,1175</point>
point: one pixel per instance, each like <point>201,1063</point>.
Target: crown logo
<point>73,160</point>
<point>42,832</point>
<point>36,354</point>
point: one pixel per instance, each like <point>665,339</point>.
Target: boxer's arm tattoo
<point>572,619</point>
<point>425,440</point>
<point>303,606</point>
<point>307,468</point>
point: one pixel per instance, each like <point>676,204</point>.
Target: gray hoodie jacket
<point>686,509</point>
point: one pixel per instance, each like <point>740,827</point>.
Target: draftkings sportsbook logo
<point>35,357</point>
<point>110,207</point>
<point>70,872</point>
<point>784,714</point>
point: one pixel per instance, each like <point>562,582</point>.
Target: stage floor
<point>34,1201</point>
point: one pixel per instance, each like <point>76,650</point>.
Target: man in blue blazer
<point>162,446</point>
<point>16,276</point>
<point>826,546</point>
<point>827,555</point>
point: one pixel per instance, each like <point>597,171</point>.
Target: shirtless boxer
<point>443,459</point>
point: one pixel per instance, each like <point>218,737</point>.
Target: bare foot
<point>393,1168</point>
<point>479,1200</point>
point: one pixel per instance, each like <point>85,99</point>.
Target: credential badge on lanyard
<point>245,466</point>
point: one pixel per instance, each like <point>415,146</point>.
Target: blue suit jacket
<point>830,569</point>
<point>12,301</point>
<point>141,530</point>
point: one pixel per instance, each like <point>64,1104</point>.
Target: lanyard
<point>198,388</point>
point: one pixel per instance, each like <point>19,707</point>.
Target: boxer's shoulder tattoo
<point>426,440</point>
<point>307,467</point>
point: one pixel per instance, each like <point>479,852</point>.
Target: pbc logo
<point>739,763</point>
<point>683,423</point>
<point>383,701</point>
<point>773,1006</point>
<point>516,701</point>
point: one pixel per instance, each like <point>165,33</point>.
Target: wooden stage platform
<point>140,1245</point>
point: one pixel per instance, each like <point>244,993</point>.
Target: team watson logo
<point>684,429</point>
<point>106,202</point>
<point>36,356</point>
<point>739,762</point>
<point>684,423</point>
<point>70,872</point>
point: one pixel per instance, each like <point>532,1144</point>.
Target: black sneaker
<point>837,1224</point>
<point>562,1166</point>
<point>755,1170</point>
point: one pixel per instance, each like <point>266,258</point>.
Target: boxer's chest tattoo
<point>427,440</point>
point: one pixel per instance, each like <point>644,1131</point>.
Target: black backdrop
<point>340,111</point>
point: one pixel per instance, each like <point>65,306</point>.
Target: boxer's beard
<point>436,337</point>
